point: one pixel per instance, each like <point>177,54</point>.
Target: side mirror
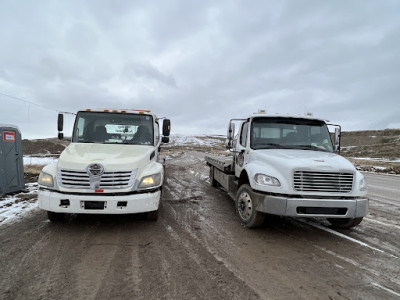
<point>60,122</point>
<point>166,127</point>
<point>336,146</point>
<point>165,139</point>
<point>60,125</point>
<point>230,135</point>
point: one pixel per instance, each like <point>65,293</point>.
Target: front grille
<point>80,179</point>
<point>329,182</point>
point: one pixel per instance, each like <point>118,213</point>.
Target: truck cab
<point>289,166</point>
<point>111,166</point>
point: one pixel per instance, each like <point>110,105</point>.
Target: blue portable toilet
<point>11,160</point>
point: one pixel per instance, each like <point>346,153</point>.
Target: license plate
<point>94,205</point>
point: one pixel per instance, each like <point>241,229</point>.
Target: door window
<point>243,134</point>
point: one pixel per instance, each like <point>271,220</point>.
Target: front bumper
<point>112,204</point>
<point>304,207</point>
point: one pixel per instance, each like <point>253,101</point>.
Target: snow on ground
<point>199,140</point>
<point>377,159</point>
<point>14,207</point>
<point>42,160</point>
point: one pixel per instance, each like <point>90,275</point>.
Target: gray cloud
<point>201,63</point>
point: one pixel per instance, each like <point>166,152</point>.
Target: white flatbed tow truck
<point>111,166</point>
<point>288,166</point>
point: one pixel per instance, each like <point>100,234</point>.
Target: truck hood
<point>301,159</point>
<point>112,156</point>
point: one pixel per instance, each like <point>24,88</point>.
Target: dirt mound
<point>384,144</point>
<point>51,147</point>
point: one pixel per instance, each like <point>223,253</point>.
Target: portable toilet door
<point>11,160</point>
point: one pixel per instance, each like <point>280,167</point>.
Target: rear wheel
<point>246,208</point>
<point>345,223</point>
<point>152,215</point>
<point>55,217</point>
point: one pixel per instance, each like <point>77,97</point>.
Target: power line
<point>30,102</point>
<point>33,103</point>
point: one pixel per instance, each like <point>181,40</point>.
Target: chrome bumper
<point>304,207</point>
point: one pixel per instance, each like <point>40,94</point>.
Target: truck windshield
<point>113,128</point>
<point>290,133</point>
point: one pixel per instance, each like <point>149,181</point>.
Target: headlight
<point>45,179</point>
<point>150,181</point>
<point>363,184</point>
<point>266,180</point>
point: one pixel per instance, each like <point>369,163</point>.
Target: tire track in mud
<point>184,215</point>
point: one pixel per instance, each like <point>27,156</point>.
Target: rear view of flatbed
<point>222,163</point>
<point>222,173</point>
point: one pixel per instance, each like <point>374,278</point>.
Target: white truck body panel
<point>135,203</point>
<point>282,163</point>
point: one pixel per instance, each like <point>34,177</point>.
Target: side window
<point>80,127</point>
<point>243,134</point>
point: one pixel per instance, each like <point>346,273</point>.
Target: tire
<point>214,183</point>
<point>246,208</point>
<point>345,223</point>
<point>152,215</point>
<point>55,217</point>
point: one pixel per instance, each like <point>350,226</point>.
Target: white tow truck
<point>288,166</point>
<point>111,165</point>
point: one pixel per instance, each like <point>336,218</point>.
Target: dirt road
<point>198,250</point>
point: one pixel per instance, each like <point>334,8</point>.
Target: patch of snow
<point>13,207</point>
<point>199,140</point>
<point>379,168</point>
<point>377,159</point>
<point>39,160</point>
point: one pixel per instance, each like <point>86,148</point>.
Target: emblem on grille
<point>95,169</point>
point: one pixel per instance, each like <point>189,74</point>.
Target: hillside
<point>373,150</point>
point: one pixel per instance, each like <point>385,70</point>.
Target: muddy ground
<point>198,250</point>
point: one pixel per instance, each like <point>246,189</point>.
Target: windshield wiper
<point>86,141</point>
<point>310,147</point>
<point>269,146</point>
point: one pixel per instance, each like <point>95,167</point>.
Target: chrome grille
<point>334,182</point>
<point>80,179</point>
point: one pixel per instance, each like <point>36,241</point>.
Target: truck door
<point>241,146</point>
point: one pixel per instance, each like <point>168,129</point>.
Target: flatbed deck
<point>222,163</point>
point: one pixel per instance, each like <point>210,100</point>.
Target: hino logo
<point>95,169</point>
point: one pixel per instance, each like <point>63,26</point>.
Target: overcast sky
<point>201,63</point>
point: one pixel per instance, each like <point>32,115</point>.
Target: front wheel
<point>345,223</point>
<point>55,217</point>
<point>246,208</point>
